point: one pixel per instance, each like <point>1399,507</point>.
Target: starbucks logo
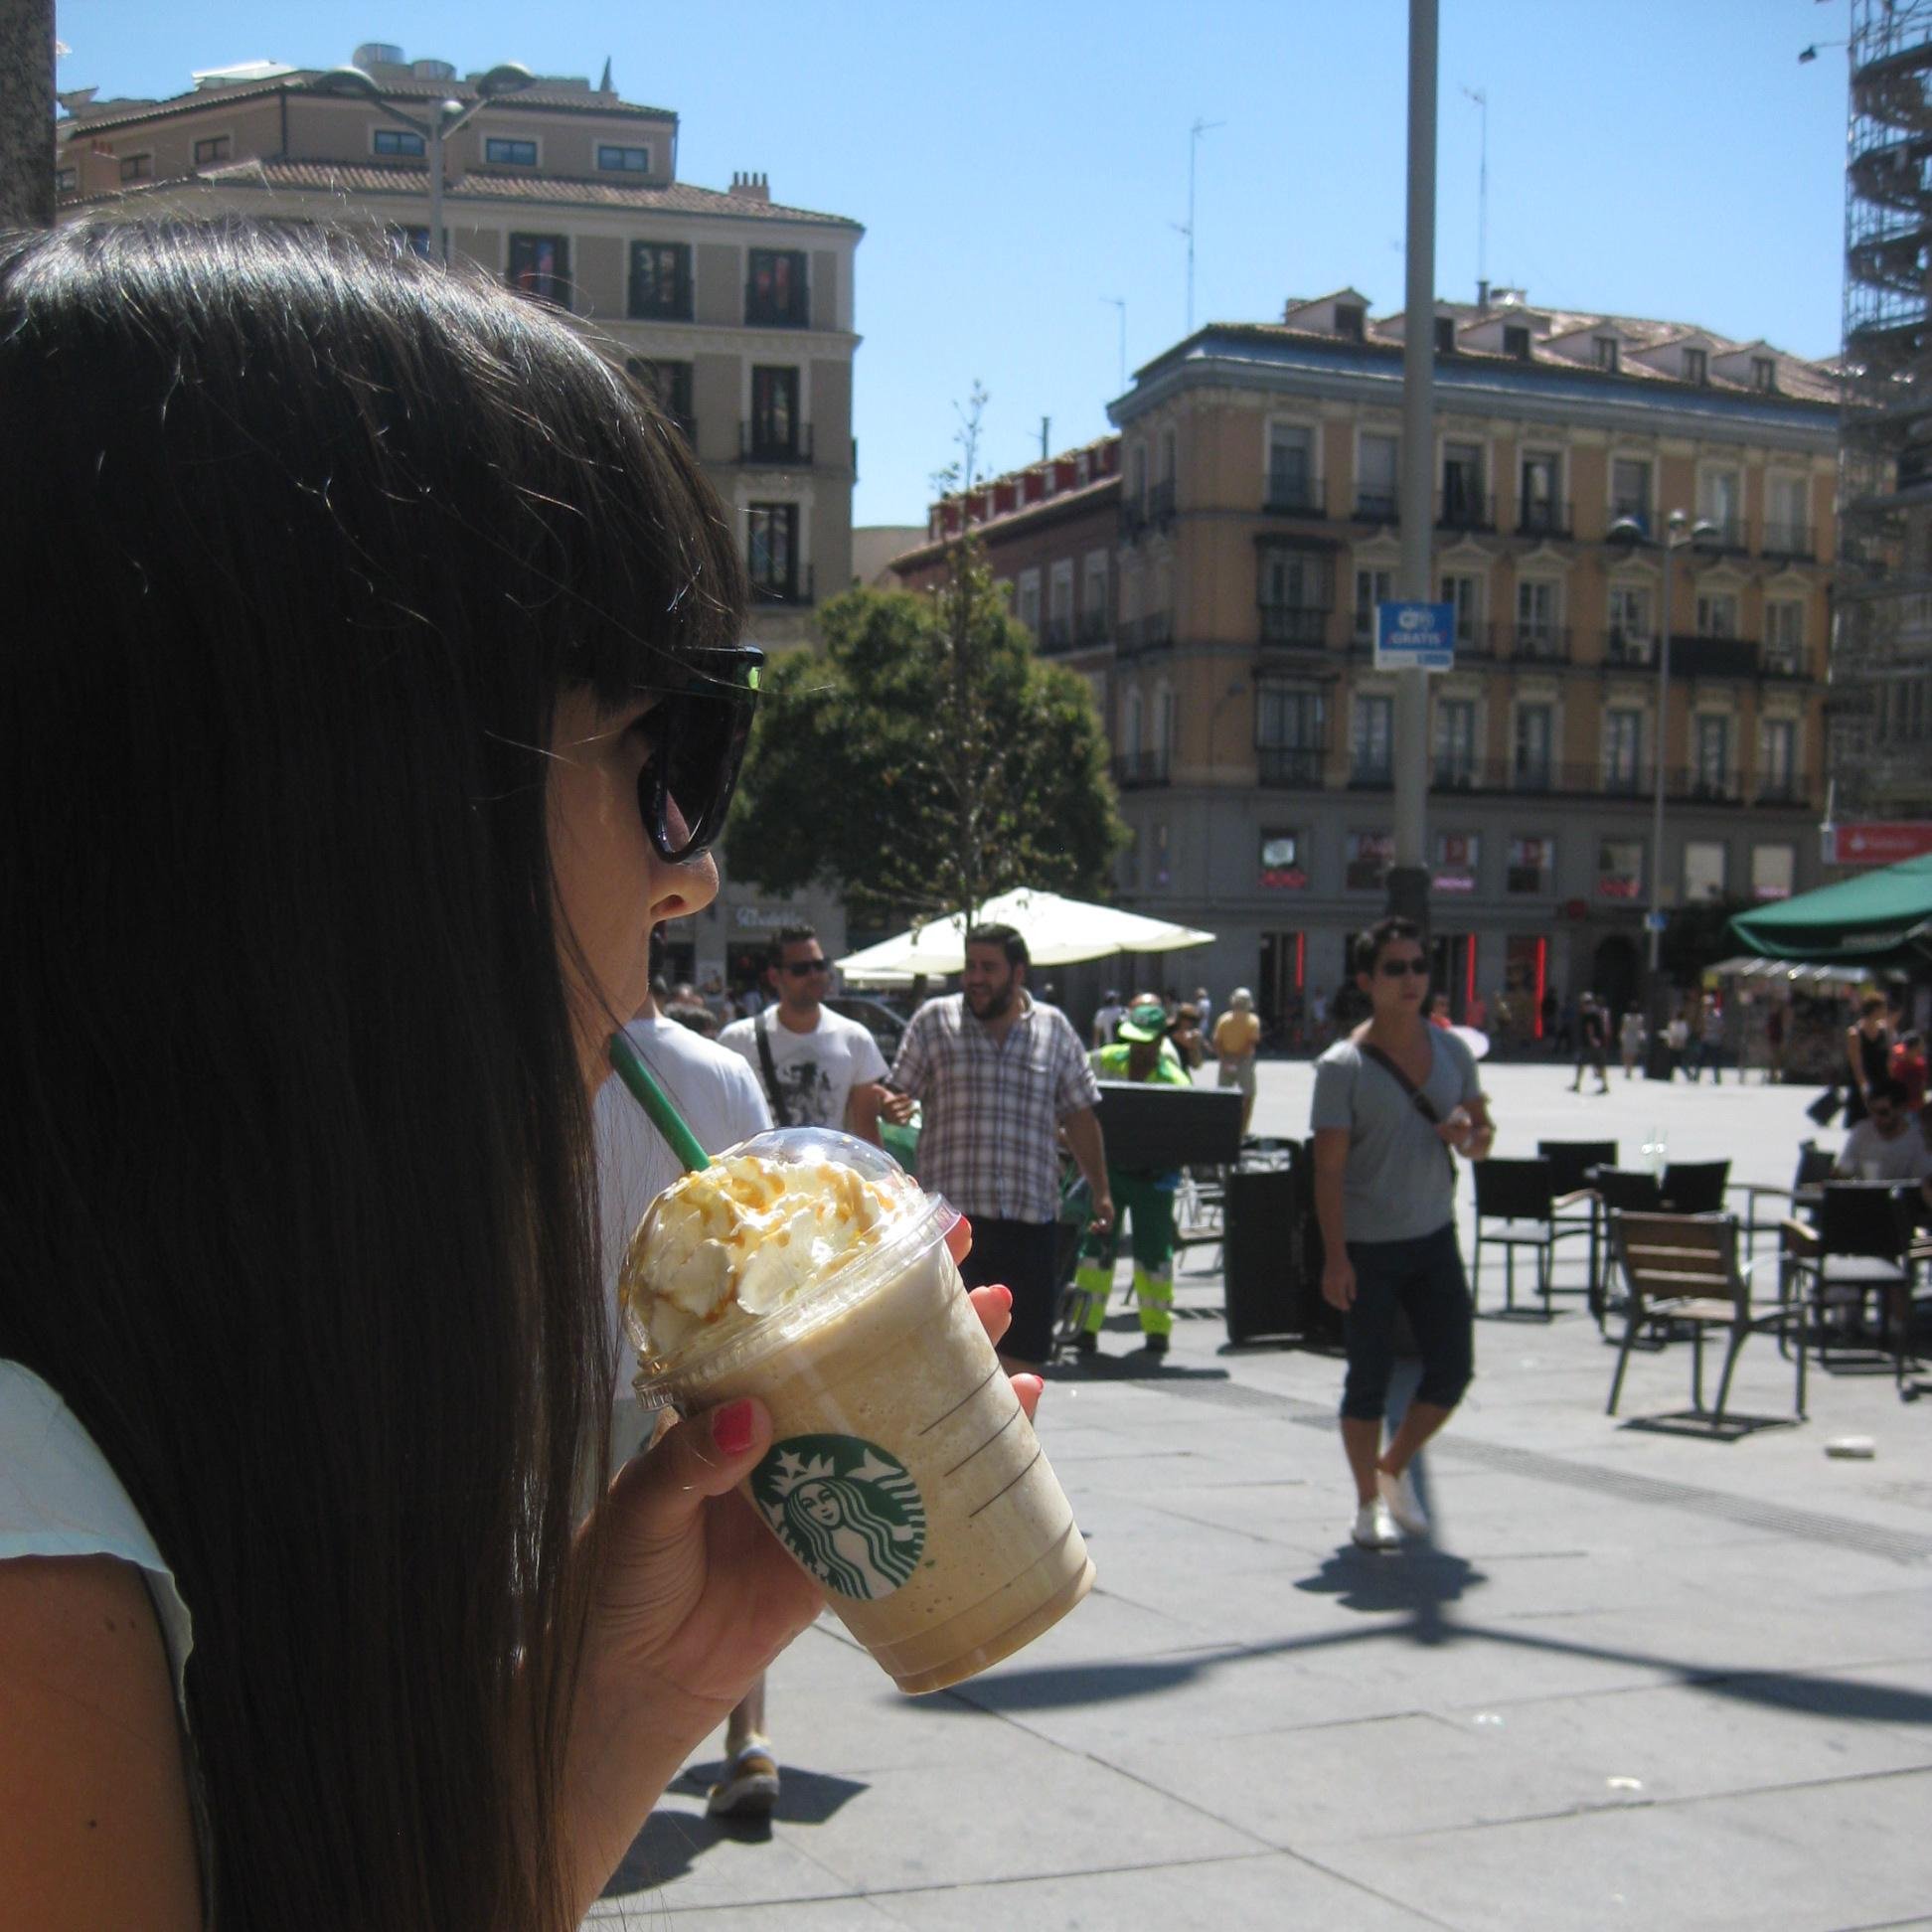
<point>846,1508</point>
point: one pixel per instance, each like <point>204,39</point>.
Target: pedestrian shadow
<point>671,1841</point>
<point>1421,1579</point>
<point>1137,1367</point>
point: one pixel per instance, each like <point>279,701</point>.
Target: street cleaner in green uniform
<point>1141,1051</point>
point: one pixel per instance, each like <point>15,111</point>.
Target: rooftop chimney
<point>1481,297</point>
<point>750,186</point>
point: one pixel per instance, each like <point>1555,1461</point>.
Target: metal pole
<point>438,239</point>
<point>1663,745</point>
<point>1408,878</point>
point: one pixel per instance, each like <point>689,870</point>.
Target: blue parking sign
<point>1415,637</point>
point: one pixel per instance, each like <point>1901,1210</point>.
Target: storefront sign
<point>1284,878</point>
<point>1876,842</point>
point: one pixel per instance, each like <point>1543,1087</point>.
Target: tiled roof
<point>353,178</point>
<point>565,99</point>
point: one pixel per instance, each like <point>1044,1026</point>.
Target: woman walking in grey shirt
<point>1392,1100</point>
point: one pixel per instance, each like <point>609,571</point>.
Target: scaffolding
<point>1880,708</point>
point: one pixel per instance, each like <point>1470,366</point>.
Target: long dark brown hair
<point>294,1172</point>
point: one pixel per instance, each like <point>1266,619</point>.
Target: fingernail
<point>731,1426</point>
<point>1000,1288</point>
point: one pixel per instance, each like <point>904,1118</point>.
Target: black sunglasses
<point>798,968</point>
<point>1395,968</point>
<point>696,734</point>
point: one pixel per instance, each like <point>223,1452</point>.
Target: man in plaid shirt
<point>999,1074</point>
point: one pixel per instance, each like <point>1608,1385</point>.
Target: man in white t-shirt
<point>722,1103</point>
<point>1109,1016</point>
<point>816,1068</point>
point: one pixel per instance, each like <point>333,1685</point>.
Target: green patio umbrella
<point>1881,918</point>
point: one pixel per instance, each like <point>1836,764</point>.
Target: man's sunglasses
<point>1396,968</point>
<point>798,968</point>
<point>696,734</point>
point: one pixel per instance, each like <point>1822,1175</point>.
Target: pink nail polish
<point>731,1428</point>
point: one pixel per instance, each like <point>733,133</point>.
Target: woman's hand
<point>692,1598</point>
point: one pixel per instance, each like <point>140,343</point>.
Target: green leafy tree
<point>923,759</point>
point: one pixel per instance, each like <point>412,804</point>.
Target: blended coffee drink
<point>805,1268</point>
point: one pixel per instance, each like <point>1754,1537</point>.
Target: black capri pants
<point>1420,1279</point>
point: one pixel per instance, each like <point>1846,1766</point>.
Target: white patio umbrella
<point>1058,932</point>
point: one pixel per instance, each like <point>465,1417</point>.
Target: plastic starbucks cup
<point>902,1473</point>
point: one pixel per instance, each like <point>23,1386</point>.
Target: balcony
<point>1793,541</point>
<point>759,442</point>
<point>1092,628</point>
<point>1714,657</point>
<point>1293,496</point>
<point>1783,661</point>
<point>1370,773</point>
<point>1057,634</point>
<point>1726,533</point>
<point>1304,626</point>
<point>1693,786</point>
<point>1459,508</point>
<point>1454,771</point>
<point>1635,510</point>
<point>1290,768</point>
<point>1151,633</point>
<point>1782,791</point>
<point>766,309</point>
<point>1140,770</point>
<point>1541,643</point>
<point>1377,506</point>
<point>1160,504</point>
<point>1133,518</point>
<point>1154,511</point>
<point>1476,639</point>
<point>1543,517</point>
<point>1627,651</point>
<point>786,590</point>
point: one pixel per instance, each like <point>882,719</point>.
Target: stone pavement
<point>1642,1678</point>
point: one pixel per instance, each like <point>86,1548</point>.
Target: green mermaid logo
<point>846,1508</point>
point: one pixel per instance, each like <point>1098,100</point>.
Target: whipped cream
<point>725,1247</point>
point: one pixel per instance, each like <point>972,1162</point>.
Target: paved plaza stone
<point>1641,1678</point>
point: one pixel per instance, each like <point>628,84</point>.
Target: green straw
<point>657,1103</point>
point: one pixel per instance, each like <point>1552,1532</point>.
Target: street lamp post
<point>1679,532</point>
<point>507,77</point>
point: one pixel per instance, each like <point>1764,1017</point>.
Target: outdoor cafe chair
<point>1860,1247</point>
<point>1682,1270</point>
<point>1694,1186</point>
<point>1577,1204</point>
<point>1814,1169</point>
<point>1518,1201</point>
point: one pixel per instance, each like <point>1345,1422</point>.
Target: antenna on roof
<point>1480,96</point>
<point>603,85</point>
<point>1195,133</point>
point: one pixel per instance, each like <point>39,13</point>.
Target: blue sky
<point>1016,165</point>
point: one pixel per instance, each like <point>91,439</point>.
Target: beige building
<point>1254,533</point>
<point>737,308</point>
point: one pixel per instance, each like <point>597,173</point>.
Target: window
<point>1717,613</point>
<point>1711,744</point>
<point>1534,732</point>
<point>1291,467</point>
<point>412,237</point>
<point>1293,580</point>
<point>1606,353</point>
<point>1620,868</point>
<point>1093,597</point>
<point>1516,341</point>
<point>1464,596</point>
<point>1532,865</point>
<point>540,265</point>
<point>1628,640</point>
<point>1455,743</point>
<point>1457,856</point>
<point>1130,719</point>
<point>1059,605</point>
<point>215,148</point>
<point>1696,366</point>
<point>1630,489</point>
<point>1764,374</point>
<point>1369,855</point>
<point>771,551</point>
<point>502,153</point>
<point>1720,500</point>
<point>1376,478</point>
<point>1537,630</point>
<point>623,160</point>
<point>1349,318</point>
<point>1623,752</point>
<point>1170,455</point>
<point>1703,870</point>
<point>1461,484</point>
<point>66,180</point>
<point>1373,748</point>
<point>1787,523</point>
<point>1281,861</point>
<point>670,386</point>
<point>1290,735</point>
<point>774,293</point>
<point>1777,759</point>
<point>394,140</point>
<point>1784,634</point>
<point>1372,587</point>
<point>1539,509</point>
<point>137,167</point>
<point>774,415</point>
<point>1774,870</point>
<point>1445,335</point>
<point>1026,604</point>
<point>660,281</point>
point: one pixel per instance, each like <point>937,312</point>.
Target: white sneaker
<point>1399,1492</point>
<point>1375,1527</point>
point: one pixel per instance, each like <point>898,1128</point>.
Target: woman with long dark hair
<point>372,685</point>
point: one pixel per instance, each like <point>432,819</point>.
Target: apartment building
<point>736,307</point>
<point>1257,529</point>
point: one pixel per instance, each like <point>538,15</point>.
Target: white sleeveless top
<point>59,1498</point>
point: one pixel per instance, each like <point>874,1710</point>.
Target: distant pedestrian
<point>1630,1040</point>
<point>1677,1041</point>
<point>1318,1010</point>
<point>1774,1042</point>
<point>1693,1039</point>
<point>1439,1010</point>
<point>1107,1018</point>
<point>1546,1014</point>
<point>1237,1035</point>
<point>1565,1031</point>
<point>1867,1052</point>
<point>1592,1042</point>
<point>1184,1037</point>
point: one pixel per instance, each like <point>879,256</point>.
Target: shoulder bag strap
<point>769,1068</point>
<point>1417,1098</point>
